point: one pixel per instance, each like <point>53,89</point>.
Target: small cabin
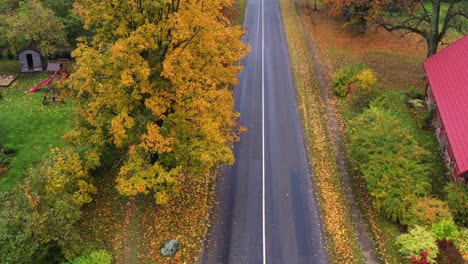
<point>30,59</point>
<point>447,97</point>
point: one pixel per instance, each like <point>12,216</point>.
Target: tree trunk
<point>433,36</point>
<point>432,44</point>
<point>10,54</point>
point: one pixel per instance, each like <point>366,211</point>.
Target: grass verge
<point>242,5</point>
<point>341,235</point>
<point>27,126</point>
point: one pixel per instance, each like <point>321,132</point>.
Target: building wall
<point>430,100</point>
<point>37,61</point>
<point>442,135</point>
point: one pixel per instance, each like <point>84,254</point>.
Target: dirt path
<point>128,243</point>
<point>364,236</point>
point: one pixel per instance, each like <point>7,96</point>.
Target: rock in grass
<point>170,248</point>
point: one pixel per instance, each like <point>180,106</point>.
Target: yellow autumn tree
<point>154,85</point>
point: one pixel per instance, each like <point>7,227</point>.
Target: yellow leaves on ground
<point>134,229</point>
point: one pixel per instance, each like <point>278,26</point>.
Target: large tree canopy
<point>431,19</point>
<point>154,84</point>
<point>32,22</point>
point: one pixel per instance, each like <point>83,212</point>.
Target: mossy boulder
<point>170,248</point>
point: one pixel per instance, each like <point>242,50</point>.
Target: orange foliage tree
<point>154,86</point>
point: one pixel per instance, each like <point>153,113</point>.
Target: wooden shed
<point>30,59</point>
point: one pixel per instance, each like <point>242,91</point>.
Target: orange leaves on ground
<point>185,218</point>
<point>135,229</point>
<point>395,60</point>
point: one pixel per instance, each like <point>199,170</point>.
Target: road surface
<point>266,211</point>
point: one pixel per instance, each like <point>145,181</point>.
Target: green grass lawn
<point>27,126</point>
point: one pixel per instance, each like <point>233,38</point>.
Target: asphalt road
<point>290,215</point>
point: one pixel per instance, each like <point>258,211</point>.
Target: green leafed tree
<point>456,197</point>
<point>390,161</point>
<point>155,85</point>
<point>39,219</point>
<point>32,22</point>
<point>72,25</point>
<point>95,257</point>
<point>417,240</point>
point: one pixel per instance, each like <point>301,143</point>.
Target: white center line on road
<point>263,136</point>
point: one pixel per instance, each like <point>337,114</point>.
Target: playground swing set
<point>57,71</point>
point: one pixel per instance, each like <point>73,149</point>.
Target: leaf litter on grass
<point>27,126</point>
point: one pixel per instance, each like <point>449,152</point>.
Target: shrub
<point>390,161</point>
<point>415,93</point>
<point>417,103</point>
<point>4,155</point>
<point>344,77</point>
<point>353,80</point>
<point>420,260</point>
<point>367,80</point>
<point>96,257</point>
<point>456,197</point>
<point>445,229</point>
<point>393,102</point>
<point>448,253</point>
<point>39,219</point>
<point>416,241</point>
<point>426,211</point>
<point>358,100</point>
<point>463,243</point>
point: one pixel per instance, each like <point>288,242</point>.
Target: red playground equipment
<point>57,71</point>
<point>37,87</point>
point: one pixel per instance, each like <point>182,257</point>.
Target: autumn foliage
<point>448,253</point>
<point>154,85</point>
<point>390,161</point>
<point>416,241</point>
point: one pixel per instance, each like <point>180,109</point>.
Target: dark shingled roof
<point>30,46</point>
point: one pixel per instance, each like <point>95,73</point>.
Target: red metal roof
<point>447,72</point>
